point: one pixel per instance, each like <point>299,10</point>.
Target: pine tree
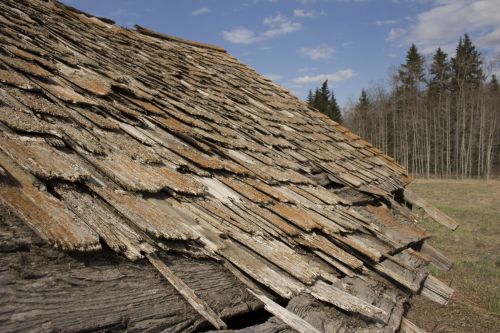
<point>310,98</point>
<point>440,71</point>
<point>363,101</point>
<point>335,109</point>
<point>324,101</point>
<point>467,64</point>
<point>412,72</point>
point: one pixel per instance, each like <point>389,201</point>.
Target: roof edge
<point>149,32</point>
<point>140,29</point>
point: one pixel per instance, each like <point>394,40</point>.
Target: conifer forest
<point>439,117</point>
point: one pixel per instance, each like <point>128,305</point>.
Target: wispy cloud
<point>200,11</point>
<point>275,26</point>
<point>447,20</point>
<point>307,13</point>
<point>387,22</point>
<point>395,33</point>
<point>338,76</point>
<point>321,52</point>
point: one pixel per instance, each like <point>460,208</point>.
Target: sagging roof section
<point>141,140</point>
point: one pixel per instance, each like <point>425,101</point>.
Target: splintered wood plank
<point>364,244</point>
<point>437,258</point>
<point>223,213</point>
<point>400,234</point>
<point>111,228</point>
<point>408,327</point>
<point>327,196</point>
<point>408,270</point>
<point>280,223</point>
<point>299,266</point>
<point>198,304</point>
<point>261,270</point>
<point>289,318</point>
<point>246,190</point>
<point>44,213</point>
<point>333,262</point>
<point>333,295</point>
<point>154,216</point>
<point>322,244</point>
<point>267,189</point>
<point>42,160</point>
<point>436,290</point>
<point>135,176</point>
<point>432,211</point>
<point>296,215</point>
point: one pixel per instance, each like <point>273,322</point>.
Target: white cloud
<point>276,26</point>
<point>338,76</point>
<point>320,52</point>
<point>200,11</point>
<point>447,20</point>
<point>272,77</point>
<point>307,13</point>
<point>395,33</point>
<point>240,36</point>
<point>386,22</point>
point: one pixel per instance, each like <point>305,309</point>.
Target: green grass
<point>474,248</point>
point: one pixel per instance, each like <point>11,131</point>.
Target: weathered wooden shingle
<point>151,143</point>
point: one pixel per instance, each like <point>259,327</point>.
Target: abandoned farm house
<point>154,184</point>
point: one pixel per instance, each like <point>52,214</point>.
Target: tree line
<point>438,119</point>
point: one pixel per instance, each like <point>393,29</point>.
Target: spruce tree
<point>466,65</point>
<point>324,101</point>
<point>440,71</point>
<point>363,101</point>
<point>412,72</point>
<point>310,98</point>
<point>335,109</point>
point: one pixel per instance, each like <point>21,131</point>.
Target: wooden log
<point>289,318</point>
<point>432,211</point>
<point>198,304</point>
<point>409,327</point>
<point>436,290</point>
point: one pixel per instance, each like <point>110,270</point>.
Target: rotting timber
<point>149,183</point>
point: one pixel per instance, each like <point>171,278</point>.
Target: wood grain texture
<point>42,289</point>
<point>198,304</point>
<point>432,211</point>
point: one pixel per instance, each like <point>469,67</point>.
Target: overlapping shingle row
<point>141,140</point>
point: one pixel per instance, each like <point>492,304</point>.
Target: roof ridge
<point>145,31</point>
<point>152,33</point>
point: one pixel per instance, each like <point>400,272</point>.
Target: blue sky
<point>300,43</point>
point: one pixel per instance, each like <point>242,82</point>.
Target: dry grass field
<point>475,250</point>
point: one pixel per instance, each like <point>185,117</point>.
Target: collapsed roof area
<point>149,183</point>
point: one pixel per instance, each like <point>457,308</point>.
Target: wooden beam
<point>198,304</point>
<point>432,211</point>
<point>409,327</point>
<point>289,318</point>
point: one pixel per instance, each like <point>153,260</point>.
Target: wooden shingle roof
<point>148,144</point>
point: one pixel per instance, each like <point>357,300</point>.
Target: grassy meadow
<point>475,250</point>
